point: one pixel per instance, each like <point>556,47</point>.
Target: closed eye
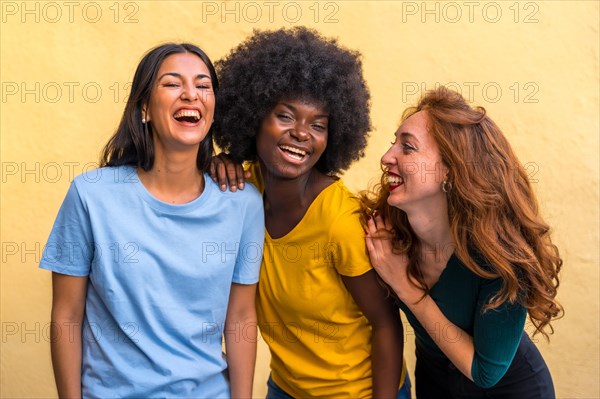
<point>408,147</point>
<point>285,117</point>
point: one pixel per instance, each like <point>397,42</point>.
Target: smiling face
<point>182,102</point>
<point>415,170</point>
<point>292,138</point>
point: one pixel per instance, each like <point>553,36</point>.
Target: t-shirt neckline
<point>173,209</point>
<point>317,199</point>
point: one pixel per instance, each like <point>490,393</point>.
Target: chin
<point>292,172</point>
<point>394,202</point>
<point>287,171</point>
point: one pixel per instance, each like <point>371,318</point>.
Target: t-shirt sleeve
<point>496,336</point>
<point>70,247</point>
<point>247,266</point>
<point>256,178</point>
<point>347,248</point>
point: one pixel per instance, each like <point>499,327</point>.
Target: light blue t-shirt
<point>159,281</point>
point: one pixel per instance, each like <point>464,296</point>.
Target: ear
<point>145,115</point>
<point>446,170</point>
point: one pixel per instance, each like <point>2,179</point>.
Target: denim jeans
<point>275,392</point>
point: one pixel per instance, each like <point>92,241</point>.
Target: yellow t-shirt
<point>320,341</point>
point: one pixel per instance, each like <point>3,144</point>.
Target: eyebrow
<point>409,135</point>
<point>178,75</point>
<point>294,109</point>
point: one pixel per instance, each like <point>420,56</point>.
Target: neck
<point>432,227</point>
<point>282,194</point>
<point>174,177</point>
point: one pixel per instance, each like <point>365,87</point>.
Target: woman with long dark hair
<point>152,262</point>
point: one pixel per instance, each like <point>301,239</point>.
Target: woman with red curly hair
<point>455,232</point>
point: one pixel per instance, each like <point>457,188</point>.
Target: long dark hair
<point>132,143</point>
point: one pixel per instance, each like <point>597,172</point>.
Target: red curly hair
<point>493,211</point>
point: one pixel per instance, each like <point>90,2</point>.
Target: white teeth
<point>293,150</point>
<point>391,179</point>
<point>190,113</point>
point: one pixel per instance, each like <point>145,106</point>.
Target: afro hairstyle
<point>296,63</point>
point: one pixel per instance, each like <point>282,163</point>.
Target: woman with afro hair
<point>296,107</point>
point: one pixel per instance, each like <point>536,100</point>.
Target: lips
<point>187,115</point>
<point>295,153</point>
<point>393,180</point>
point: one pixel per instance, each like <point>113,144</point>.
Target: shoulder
<point>341,200</point>
<point>101,183</point>
<point>249,196</point>
<point>478,259</point>
<point>342,210</point>
<point>102,177</point>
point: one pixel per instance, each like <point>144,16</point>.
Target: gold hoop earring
<point>446,186</point>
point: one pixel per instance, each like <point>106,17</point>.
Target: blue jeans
<point>275,392</point>
<point>404,392</point>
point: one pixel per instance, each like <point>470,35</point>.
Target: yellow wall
<point>533,65</point>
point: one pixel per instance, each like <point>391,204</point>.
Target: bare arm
<point>240,339</point>
<point>68,306</point>
<point>387,342</point>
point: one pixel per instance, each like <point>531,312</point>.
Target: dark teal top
<point>461,295</point>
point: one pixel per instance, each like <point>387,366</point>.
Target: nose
<point>388,158</point>
<point>300,132</point>
<point>189,92</point>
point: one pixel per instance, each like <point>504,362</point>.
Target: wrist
<point>416,301</point>
<point>409,294</point>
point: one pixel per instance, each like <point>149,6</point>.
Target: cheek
<point>323,144</point>
<point>432,171</point>
<point>153,108</point>
<point>210,103</point>
<point>268,125</point>
<point>409,169</point>
<point>264,145</point>
<point>269,132</point>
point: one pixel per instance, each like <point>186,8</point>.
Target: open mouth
<point>293,152</point>
<point>393,180</point>
<point>187,116</point>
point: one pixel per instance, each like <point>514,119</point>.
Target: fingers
<point>380,233</point>
<point>239,172</point>
<point>221,176</point>
<point>378,227</point>
<point>223,170</point>
<point>217,171</point>
<point>213,168</point>
<point>382,224</point>
<point>372,251</point>
<point>232,176</point>
<point>374,240</point>
<point>371,226</point>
